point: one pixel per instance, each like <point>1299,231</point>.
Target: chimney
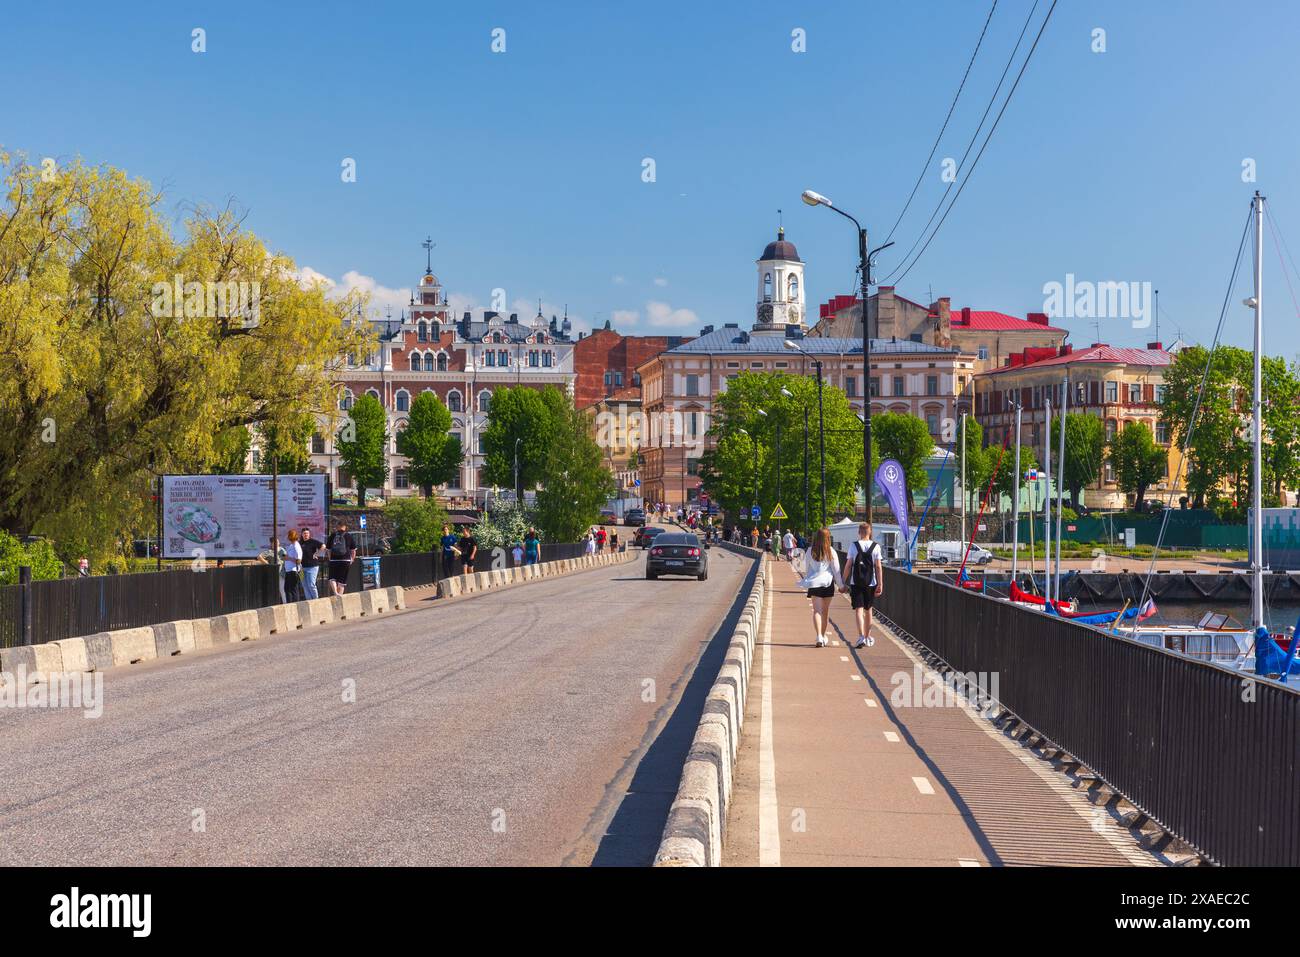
<point>1157,346</point>
<point>886,313</point>
<point>965,315</point>
<point>706,330</point>
<point>1066,349</point>
<point>1099,345</point>
<point>1037,318</point>
<point>943,329</point>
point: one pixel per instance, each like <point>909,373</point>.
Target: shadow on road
<point>637,824</point>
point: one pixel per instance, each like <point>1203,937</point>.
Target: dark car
<point>677,553</point>
<point>634,516</point>
<point>645,534</point>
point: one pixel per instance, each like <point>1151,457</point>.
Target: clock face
<point>793,313</point>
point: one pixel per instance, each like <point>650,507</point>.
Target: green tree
<point>417,523</point>
<point>38,555</point>
<point>532,416</point>
<point>742,435</point>
<point>907,439</point>
<point>285,447</point>
<point>361,444</point>
<point>108,378</point>
<point>230,452</point>
<point>507,523</point>
<point>1138,461</point>
<point>575,481</point>
<point>1004,483</point>
<point>427,441</point>
<point>1218,449</point>
<point>1085,449</point>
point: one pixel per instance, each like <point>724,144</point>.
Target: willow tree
<point>131,346</point>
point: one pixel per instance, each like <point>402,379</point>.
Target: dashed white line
<point>967,862</point>
<point>856,677</point>
<point>844,657</point>
<point>891,737</point>
<point>769,828</point>
<point>870,703</point>
<point>923,785</point>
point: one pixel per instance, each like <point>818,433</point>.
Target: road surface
<point>537,725</point>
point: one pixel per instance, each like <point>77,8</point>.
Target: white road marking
<point>846,658</point>
<point>870,702</point>
<point>856,677</point>
<point>891,737</point>
<point>967,862</point>
<point>769,828</point>
<point>923,785</point>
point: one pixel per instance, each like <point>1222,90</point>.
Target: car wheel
<point>704,576</point>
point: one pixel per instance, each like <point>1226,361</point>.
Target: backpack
<point>338,547</point>
<point>864,567</point>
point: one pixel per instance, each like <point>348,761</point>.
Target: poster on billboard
<point>229,516</point>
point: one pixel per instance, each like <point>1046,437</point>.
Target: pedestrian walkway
<point>831,772</point>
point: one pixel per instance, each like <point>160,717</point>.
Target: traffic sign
<point>778,513</point>
<point>755,513</point>
<point>362,521</point>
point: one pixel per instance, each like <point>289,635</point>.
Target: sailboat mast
<point>1257,416</point>
<point>1015,502</point>
<point>1060,481</point>
<point>1047,502</point>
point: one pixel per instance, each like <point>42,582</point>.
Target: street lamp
<point>821,421</point>
<point>790,395</point>
<point>864,269</point>
<point>754,445</point>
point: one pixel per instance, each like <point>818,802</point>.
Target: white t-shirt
<point>788,541</point>
<point>864,548</point>
<point>292,557</point>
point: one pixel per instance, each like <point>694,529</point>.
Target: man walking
<point>449,551</point>
<point>342,552</point>
<point>865,578</point>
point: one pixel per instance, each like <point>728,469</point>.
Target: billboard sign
<point>229,516</point>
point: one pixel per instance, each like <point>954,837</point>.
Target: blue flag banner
<point>893,485</point>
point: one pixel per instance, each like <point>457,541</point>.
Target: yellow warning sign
<point>778,513</point>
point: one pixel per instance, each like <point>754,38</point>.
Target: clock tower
<point>780,288</point>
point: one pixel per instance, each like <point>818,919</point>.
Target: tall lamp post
<point>753,442</point>
<point>864,270</point>
<point>821,422</point>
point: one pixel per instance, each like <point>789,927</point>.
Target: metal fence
<point>75,607</point>
<point>1209,753</point>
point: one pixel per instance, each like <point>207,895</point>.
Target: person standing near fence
<point>468,551</point>
<point>292,568</point>
<point>311,558</point>
<point>449,551</point>
<point>862,571</point>
<point>342,550</point>
<point>532,547</point>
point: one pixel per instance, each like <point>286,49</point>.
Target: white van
<point>952,552</point>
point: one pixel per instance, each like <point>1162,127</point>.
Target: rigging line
<point>992,129</point>
<point>1270,215</point>
<point>961,86</point>
<point>1196,407</point>
<point>1282,262</point>
<point>974,136</point>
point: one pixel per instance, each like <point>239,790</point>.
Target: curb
<point>697,819</point>
<point>127,646</point>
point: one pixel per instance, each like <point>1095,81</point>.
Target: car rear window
<point>676,539</point>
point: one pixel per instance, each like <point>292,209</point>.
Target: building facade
<point>1117,385</point>
<point>679,387</point>
<point>462,361</point>
<point>605,363</point>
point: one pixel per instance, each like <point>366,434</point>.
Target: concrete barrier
<point>235,627</point>
<point>201,629</point>
<point>44,657</point>
<point>73,653</point>
<point>276,620</point>
<point>374,602</point>
<point>449,587</point>
<point>348,606</point>
<point>99,651</point>
<point>131,645</point>
<point>397,597</point>
<point>697,820</point>
<point>173,638</point>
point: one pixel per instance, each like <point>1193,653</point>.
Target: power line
<point>961,86</point>
<point>973,137</point>
<point>974,163</point>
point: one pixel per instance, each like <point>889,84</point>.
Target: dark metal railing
<point>1211,754</point>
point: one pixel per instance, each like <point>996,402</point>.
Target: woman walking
<point>821,576</point>
<point>292,568</point>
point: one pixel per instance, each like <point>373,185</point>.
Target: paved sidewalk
<point>831,773</point>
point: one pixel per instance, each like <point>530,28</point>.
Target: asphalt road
<point>539,725</point>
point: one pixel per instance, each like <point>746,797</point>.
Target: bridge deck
<point>835,769</point>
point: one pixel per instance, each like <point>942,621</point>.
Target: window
<point>609,379</point>
<point>898,385</point>
<point>932,386</point>
<point>453,401</point>
<point>1110,472</point>
<point>424,332</point>
<point>481,449</point>
<point>1160,393</point>
<point>767,287</point>
<point>794,289</point>
<point>984,352</point>
<point>1038,400</point>
<point>692,385</point>
<point>496,337</point>
<point>401,477</point>
<point>1112,390</point>
<point>415,362</point>
<point>780,365</point>
<point>915,337</point>
<point>548,360</point>
<point>484,400</point>
<point>1162,433</point>
<point>503,358</point>
<point>733,365</point>
<point>636,379</point>
<point>618,380</point>
<point>403,399</point>
<point>442,362</point>
<point>932,423</point>
<point>851,386</point>
<point>1111,428</point>
<point>318,444</point>
<point>694,424</point>
<point>1134,392</point>
<point>875,387</point>
<point>346,402</point>
<point>756,365</point>
<point>692,467</point>
<point>532,359</point>
<point>373,394</point>
<point>428,362</point>
<point>489,358</point>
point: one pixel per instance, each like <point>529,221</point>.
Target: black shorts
<point>862,597</point>
<point>339,571</point>
<point>824,591</point>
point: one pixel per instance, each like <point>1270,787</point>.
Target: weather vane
<point>428,245</point>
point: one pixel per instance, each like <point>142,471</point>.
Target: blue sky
<point>526,166</point>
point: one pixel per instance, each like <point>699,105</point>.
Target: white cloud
<point>381,297</point>
<point>661,281</point>
<point>617,280</point>
<point>624,317</point>
<point>662,315</point>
